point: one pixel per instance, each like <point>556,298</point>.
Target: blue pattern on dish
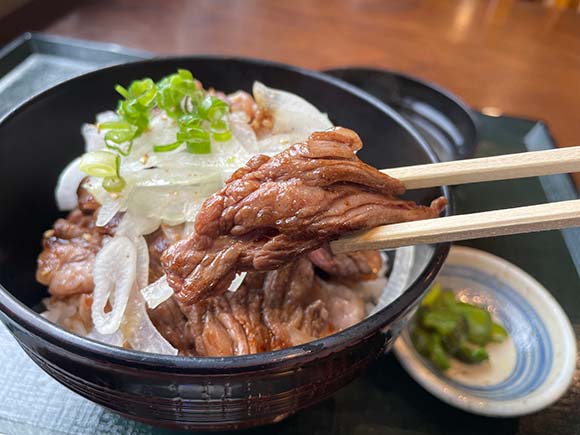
<point>534,357</point>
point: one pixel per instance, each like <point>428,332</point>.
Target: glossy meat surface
<point>69,250</point>
<point>270,311</point>
<point>276,209</point>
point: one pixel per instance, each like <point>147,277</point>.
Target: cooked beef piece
<point>275,209</point>
<point>87,203</point>
<point>66,263</point>
<point>290,306</point>
<point>170,322</point>
<point>353,266</point>
<point>345,307</point>
<point>158,242</point>
<point>260,121</point>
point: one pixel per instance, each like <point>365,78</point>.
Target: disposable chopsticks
<point>518,220</point>
<point>543,217</point>
<point>506,167</point>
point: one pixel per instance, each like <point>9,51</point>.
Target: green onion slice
<point>122,91</point>
<point>167,147</point>
<point>220,131</point>
<point>200,117</point>
<point>201,147</point>
<point>213,109</point>
<point>119,133</point>
<point>100,164</point>
<point>114,183</point>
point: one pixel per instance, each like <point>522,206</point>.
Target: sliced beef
<point>170,322</point>
<point>66,262</point>
<point>260,121</point>
<point>353,266</point>
<point>276,209</point>
<point>290,306</point>
<point>158,242</point>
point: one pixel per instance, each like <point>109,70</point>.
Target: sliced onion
<point>94,140</point>
<point>134,225</point>
<point>157,293</point>
<point>399,277</point>
<point>68,183</point>
<point>106,116</point>
<point>171,196</point>
<point>237,281</point>
<point>291,113</point>
<point>140,332</point>
<point>188,229</point>
<point>142,271</point>
<point>162,130</point>
<point>114,339</point>
<point>243,133</point>
<point>107,211</point>
<point>114,276</point>
<point>271,145</point>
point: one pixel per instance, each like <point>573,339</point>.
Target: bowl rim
<point>466,112</point>
<point>25,318</point>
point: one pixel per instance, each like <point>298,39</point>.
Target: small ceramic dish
<point>527,372</point>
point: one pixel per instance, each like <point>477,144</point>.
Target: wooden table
<point>518,57</point>
<point>504,56</point>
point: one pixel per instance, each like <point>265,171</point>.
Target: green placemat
<point>385,400</point>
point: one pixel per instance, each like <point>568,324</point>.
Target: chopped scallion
<point>167,147</point>
<point>99,164</point>
<point>200,117</point>
<point>202,147</point>
<point>114,184</point>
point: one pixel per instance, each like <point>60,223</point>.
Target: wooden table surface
<point>508,56</point>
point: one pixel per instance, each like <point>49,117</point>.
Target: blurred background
<point>518,57</point>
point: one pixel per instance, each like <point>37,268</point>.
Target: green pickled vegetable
<point>445,327</point>
<point>446,300</point>
<point>442,321</point>
<point>431,296</point>
<point>438,356</point>
<point>430,346</point>
<point>452,341</point>
<point>471,354</point>
<point>478,323</point>
<point>422,340</point>
<point>498,333</point>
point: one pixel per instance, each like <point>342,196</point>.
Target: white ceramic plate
<point>530,370</point>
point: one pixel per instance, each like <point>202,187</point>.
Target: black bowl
<point>445,122</point>
<point>39,138</point>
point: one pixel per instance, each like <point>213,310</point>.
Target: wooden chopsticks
<point>506,167</point>
<point>543,217</point>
